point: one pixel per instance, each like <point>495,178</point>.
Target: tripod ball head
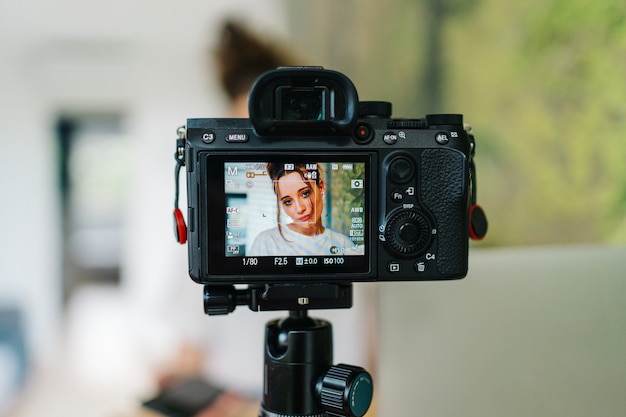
<point>300,379</point>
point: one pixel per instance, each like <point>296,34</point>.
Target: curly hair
<point>242,56</point>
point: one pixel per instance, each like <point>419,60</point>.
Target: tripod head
<point>223,299</point>
<point>300,379</point>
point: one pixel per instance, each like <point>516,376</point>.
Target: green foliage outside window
<point>543,83</point>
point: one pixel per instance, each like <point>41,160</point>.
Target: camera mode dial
<point>380,109</point>
<point>407,232</point>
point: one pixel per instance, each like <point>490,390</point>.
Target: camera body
<point>316,187</point>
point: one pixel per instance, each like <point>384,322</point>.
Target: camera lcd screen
<point>288,215</point>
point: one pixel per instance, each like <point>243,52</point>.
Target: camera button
<point>208,137</point>
<point>397,196</point>
<point>390,138</point>
<point>236,137</point>
<point>442,138</point>
<point>421,267</point>
<point>363,133</point>
<point>401,169</point>
<point>394,267</point>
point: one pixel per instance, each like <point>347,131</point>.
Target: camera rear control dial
<point>407,232</point>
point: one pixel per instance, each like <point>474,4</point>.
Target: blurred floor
<point>530,331</point>
<point>97,371</point>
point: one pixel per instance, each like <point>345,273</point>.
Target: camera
<point>317,187</point>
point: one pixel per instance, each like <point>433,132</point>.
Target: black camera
<point>317,187</point>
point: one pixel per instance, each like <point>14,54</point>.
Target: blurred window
<point>94,167</point>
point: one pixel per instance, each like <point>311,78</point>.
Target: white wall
<point>529,332</point>
<point>145,59</point>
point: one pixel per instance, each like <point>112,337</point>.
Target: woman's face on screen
<point>301,199</point>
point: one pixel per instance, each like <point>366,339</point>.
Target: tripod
<point>299,378</point>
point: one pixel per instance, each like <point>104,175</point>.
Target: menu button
<point>236,137</point>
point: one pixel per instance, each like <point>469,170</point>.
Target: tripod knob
<point>346,391</point>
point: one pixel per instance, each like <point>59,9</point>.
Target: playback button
<point>393,267</point>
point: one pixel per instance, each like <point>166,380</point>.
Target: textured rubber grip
<point>443,185</point>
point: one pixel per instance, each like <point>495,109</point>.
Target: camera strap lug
<point>478,224</point>
<point>180,228</point>
<point>179,155</point>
